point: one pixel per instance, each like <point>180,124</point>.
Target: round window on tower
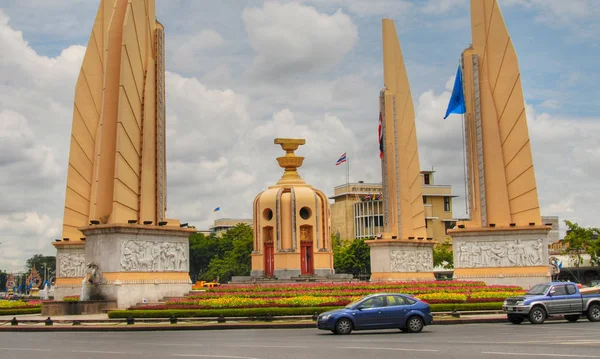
<point>305,212</point>
<point>268,214</point>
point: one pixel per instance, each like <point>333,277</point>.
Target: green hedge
<point>17,311</point>
<point>260,312</point>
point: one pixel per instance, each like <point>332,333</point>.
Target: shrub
<point>275,311</point>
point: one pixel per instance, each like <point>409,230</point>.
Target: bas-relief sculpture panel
<point>71,265</point>
<point>420,260</point>
<point>151,256</point>
<point>517,253</point>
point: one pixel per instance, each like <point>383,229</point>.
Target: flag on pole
<point>380,130</point>
<point>217,209</point>
<point>457,100</point>
<point>341,160</point>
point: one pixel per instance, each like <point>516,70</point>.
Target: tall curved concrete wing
<point>502,185</point>
<point>401,172</point>
<point>116,161</point>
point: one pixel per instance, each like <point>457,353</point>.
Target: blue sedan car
<point>378,311</point>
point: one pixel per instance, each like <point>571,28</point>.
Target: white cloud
<point>292,38</point>
<point>188,48</point>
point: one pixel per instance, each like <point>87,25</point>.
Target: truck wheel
<point>537,315</point>
<point>572,318</point>
<point>593,313</point>
<point>515,319</point>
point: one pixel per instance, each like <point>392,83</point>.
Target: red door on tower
<point>269,260</point>
<point>306,259</point>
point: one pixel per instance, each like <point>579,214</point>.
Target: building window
<point>449,225</point>
<point>305,213</point>
<point>424,199</point>
<point>426,223</point>
<point>426,178</point>
<point>447,204</point>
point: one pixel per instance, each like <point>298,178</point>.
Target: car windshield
<point>538,289</point>
<point>349,306</point>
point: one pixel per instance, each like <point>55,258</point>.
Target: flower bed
<point>20,304</point>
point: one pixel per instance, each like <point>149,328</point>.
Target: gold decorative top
<point>290,161</point>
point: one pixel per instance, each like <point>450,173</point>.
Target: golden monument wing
<point>503,190</point>
<point>403,192</point>
<point>116,161</point>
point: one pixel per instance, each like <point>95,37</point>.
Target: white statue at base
<point>92,280</point>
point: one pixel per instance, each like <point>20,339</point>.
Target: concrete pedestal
<point>501,256</point>
<point>70,268</point>
<point>401,260</point>
<point>136,262</point>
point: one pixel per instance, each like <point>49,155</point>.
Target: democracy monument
<point>504,240</point>
<point>117,243</point>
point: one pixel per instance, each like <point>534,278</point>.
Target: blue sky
<point>241,73</point>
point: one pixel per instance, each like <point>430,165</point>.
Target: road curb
<point>220,326</point>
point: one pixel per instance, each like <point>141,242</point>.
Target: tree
<point>237,244</point>
<point>443,256</point>
<point>579,240</point>
<point>352,257</point>
<point>41,262</point>
<point>202,250</point>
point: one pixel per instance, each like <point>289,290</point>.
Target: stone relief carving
<point>71,265</point>
<point>420,260</point>
<point>517,253</point>
<point>151,256</point>
<point>305,233</point>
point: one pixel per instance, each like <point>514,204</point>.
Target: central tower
<point>291,224</point>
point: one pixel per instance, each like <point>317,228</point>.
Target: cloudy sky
<point>241,73</point>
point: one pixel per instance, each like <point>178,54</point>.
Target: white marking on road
<point>103,352</point>
<point>35,350</point>
<point>268,346</point>
<point>544,355</point>
<point>172,344</point>
<point>210,356</point>
<point>399,349</point>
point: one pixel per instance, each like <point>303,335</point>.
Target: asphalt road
<point>550,340</point>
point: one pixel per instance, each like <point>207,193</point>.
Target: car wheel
<point>593,313</point>
<point>515,319</point>
<point>537,315</point>
<point>414,324</point>
<point>343,326</point>
<point>572,318</point>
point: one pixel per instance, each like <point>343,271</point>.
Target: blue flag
<point>217,209</point>
<point>457,100</point>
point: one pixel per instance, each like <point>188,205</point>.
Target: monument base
<point>137,263</point>
<point>525,277</point>
<point>401,260</point>
<point>502,256</point>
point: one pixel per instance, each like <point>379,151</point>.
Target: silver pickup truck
<point>552,299</point>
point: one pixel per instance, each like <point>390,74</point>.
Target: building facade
<point>357,211</point>
<point>222,225</point>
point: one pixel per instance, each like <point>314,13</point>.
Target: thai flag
<point>341,160</point>
<point>380,130</point>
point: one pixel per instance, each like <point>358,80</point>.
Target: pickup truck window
<point>538,289</point>
<point>571,289</point>
<point>560,290</point>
